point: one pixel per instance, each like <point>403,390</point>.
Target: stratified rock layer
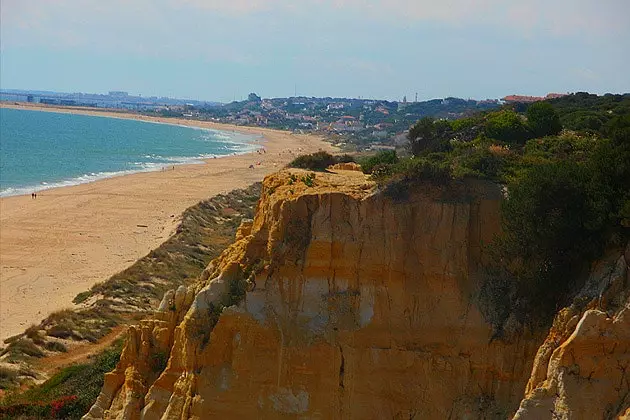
<point>358,306</point>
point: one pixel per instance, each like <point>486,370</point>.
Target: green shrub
<point>33,332</point>
<point>55,346</point>
<point>63,330</point>
<point>585,120</point>
<point>506,126</point>
<point>552,227</point>
<point>69,394</point>
<point>468,123</point>
<point>308,179</point>
<point>396,180</point>
<point>479,163</point>
<point>543,120</point>
<point>577,147</point>
<point>317,161</point>
<point>385,157</point>
<point>429,135</point>
<point>8,377</point>
<point>81,297</point>
<point>24,346</point>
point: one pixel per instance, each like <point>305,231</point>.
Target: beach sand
<point>67,239</point>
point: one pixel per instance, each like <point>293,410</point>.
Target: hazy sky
<point>224,49</point>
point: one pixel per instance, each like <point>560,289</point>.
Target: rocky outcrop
<point>335,302</point>
<point>582,370</point>
<point>146,352</point>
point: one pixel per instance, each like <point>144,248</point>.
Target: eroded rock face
<point>358,306</point>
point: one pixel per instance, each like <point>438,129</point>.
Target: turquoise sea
<point>40,150</point>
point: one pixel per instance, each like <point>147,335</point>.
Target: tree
<point>543,120</point>
<point>506,126</point>
<point>429,135</point>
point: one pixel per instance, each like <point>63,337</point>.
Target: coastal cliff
<point>338,301</point>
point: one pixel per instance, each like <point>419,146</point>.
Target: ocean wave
<point>226,144</point>
<point>96,176</point>
<point>82,179</point>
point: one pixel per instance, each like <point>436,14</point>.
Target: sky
<point>221,50</point>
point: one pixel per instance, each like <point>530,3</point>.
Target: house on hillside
<point>347,123</point>
<point>335,105</point>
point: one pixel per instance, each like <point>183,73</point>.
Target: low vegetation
<point>380,160</point>
<point>319,161</point>
<point>67,395</point>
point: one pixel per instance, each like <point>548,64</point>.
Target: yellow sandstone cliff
<point>338,302</point>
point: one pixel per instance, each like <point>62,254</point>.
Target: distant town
<point>355,124</point>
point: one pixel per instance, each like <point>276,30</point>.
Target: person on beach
<point>32,196</point>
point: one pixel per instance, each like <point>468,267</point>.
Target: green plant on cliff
<point>318,161</point>
<point>69,394</point>
<point>552,228</point>
<point>373,163</point>
<point>308,179</point>
<point>543,120</point>
<point>396,180</point>
<point>429,135</point>
<point>507,126</point>
<point>203,323</point>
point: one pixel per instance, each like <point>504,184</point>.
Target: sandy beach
<point>69,238</point>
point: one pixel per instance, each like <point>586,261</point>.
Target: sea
<point>41,149</point>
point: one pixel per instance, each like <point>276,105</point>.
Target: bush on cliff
<point>383,158</point>
<point>319,161</point>
<point>551,229</point>
<point>543,120</point>
<point>397,179</point>
<point>507,126</point>
<point>429,135</point>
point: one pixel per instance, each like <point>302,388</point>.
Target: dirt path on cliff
<point>79,354</point>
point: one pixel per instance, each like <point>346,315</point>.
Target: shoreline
<point>71,237</point>
<point>252,140</point>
